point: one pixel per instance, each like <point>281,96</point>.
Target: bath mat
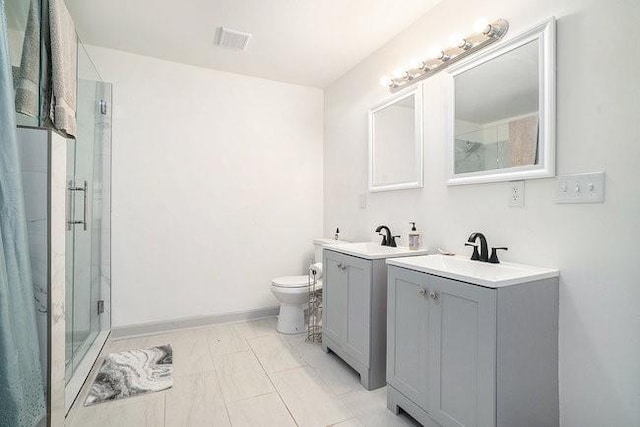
<point>131,373</point>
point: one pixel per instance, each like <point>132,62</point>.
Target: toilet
<point>293,294</point>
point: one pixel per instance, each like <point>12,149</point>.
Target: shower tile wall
<point>33,145</point>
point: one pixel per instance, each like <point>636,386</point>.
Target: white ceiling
<point>308,42</point>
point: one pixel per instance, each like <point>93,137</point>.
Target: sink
<point>476,272</point>
<point>373,250</point>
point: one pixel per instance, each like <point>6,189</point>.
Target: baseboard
<point>153,328</point>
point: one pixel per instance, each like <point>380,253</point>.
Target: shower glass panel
<point>88,213</point>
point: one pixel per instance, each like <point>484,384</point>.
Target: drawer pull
<point>434,295</point>
<point>422,292</point>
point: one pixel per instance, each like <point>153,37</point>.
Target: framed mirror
<point>395,142</point>
<point>503,122</point>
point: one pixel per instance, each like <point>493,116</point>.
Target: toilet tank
<point>318,244</point>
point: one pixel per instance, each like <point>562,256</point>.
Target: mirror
<point>503,122</point>
<point>395,142</point>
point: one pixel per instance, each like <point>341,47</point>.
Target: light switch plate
<point>516,194</point>
<point>580,188</point>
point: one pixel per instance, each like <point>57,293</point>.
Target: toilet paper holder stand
<point>314,314</point>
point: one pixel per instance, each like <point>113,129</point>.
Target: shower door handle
<point>85,191</point>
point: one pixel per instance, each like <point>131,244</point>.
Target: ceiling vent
<point>232,39</point>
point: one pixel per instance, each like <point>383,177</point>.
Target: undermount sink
<point>476,272</point>
<point>373,250</point>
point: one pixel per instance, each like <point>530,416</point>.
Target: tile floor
<point>243,374</point>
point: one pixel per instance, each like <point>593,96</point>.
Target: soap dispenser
<point>414,237</point>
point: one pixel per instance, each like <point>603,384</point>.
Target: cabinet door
<point>358,278</point>
<point>334,313</point>
<point>407,329</point>
<point>462,353</point>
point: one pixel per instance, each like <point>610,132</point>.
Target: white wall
<point>217,187</point>
<point>595,246</point>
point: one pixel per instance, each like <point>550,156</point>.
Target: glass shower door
<point>87,244</point>
<point>82,295</point>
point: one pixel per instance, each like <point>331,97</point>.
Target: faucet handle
<point>475,256</point>
<point>384,240</point>
<point>493,259</point>
<point>392,243</point>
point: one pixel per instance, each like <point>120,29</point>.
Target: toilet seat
<point>293,282</point>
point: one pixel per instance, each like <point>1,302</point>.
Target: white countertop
<point>461,268</point>
<point>373,250</point>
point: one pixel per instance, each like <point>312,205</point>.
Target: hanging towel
<point>21,391</point>
<point>27,86</point>
<point>64,61</point>
<point>523,141</point>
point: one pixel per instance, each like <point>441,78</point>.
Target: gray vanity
<point>354,315</point>
<point>471,343</point>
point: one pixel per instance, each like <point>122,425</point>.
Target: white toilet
<point>293,294</point>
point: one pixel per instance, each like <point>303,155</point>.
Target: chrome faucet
<point>387,239</point>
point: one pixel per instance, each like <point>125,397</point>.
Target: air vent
<point>232,39</point>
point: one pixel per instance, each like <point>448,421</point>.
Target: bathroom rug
<point>132,373</point>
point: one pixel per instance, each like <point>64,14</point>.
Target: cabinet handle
<point>422,292</point>
<point>434,295</point>
<point>342,267</point>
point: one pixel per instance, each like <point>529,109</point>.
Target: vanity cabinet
<point>348,304</point>
<point>354,314</point>
<point>460,354</point>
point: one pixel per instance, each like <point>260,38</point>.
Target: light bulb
<point>435,53</point>
<point>481,25</point>
<point>416,63</point>
<point>456,40</point>
<point>399,73</point>
<point>385,81</point>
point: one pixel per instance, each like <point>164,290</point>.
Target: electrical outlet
<point>516,194</point>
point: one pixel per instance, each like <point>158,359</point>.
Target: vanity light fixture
<point>485,34</point>
<point>464,44</point>
<point>443,57</point>
<point>399,74</point>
